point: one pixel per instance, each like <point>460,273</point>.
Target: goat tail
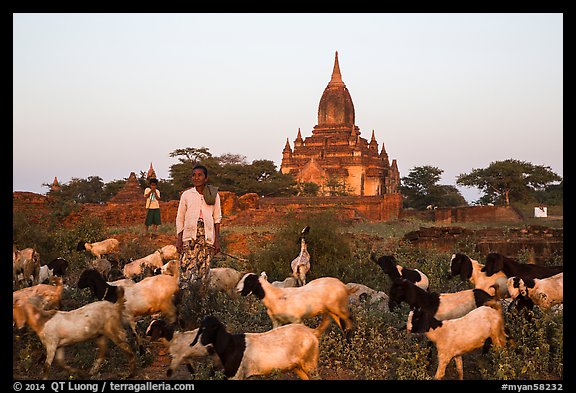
<point>319,331</point>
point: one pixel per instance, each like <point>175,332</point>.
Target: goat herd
<point>456,323</point>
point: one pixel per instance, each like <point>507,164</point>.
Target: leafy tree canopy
<point>503,181</point>
<point>420,189</point>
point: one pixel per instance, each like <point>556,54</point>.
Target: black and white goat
<point>301,264</point>
<point>178,344</point>
<point>496,262</point>
<point>440,305</point>
<point>455,337</point>
<point>471,270</point>
<point>293,347</point>
<point>544,292</point>
<point>389,265</point>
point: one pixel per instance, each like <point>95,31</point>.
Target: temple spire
<point>151,173</point>
<point>336,76</point>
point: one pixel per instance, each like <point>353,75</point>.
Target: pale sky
<point>105,94</point>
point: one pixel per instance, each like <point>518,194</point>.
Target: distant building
<point>336,154</point>
<point>151,173</point>
<point>55,185</point>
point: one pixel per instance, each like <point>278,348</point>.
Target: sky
<point>106,94</point>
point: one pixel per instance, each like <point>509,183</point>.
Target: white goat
<point>224,279</point>
<point>289,282</point>
<point>25,267</point>
<point>360,292</point>
<point>106,246</point>
<point>455,337</point>
<point>544,292</point>
<point>101,320</point>
<point>102,266</point>
<point>291,305</point>
<point>152,295</point>
<point>178,345</point>
<point>301,264</point>
<point>471,270</point>
<point>137,266</point>
<point>293,347</point>
<point>48,297</point>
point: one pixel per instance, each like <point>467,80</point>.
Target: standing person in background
<point>152,195</point>
<point>197,228</point>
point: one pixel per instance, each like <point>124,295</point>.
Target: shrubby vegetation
<point>380,348</point>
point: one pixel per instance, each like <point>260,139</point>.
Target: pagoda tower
<point>336,156</point>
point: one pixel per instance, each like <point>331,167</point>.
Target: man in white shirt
<point>197,229</point>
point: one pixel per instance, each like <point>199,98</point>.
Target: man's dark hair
<point>153,181</point>
<point>203,168</point>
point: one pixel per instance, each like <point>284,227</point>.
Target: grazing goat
<point>49,297</point>
<point>102,266</point>
<point>455,337</point>
<point>106,246</point>
<point>152,295</point>
<point>56,267</point>
<point>291,305</point>
<point>224,279</point>
<point>293,347</point>
<point>361,293</point>
<point>137,266</point>
<point>289,282</point>
<point>99,320</point>
<point>178,345</point>
<point>301,264</point>
<point>471,270</point>
<point>511,268</point>
<point>25,267</point>
<point>544,292</point>
<point>441,306</point>
<point>389,265</point>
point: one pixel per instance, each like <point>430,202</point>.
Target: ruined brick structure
<point>336,154</point>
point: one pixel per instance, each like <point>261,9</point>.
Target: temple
<point>335,156</point>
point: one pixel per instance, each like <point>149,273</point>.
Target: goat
<point>106,246</point>
<point>101,320</point>
<point>224,279</point>
<point>49,297</point>
<point>361,292</point>
<point>169,252</point>
<point>292,305</point>
<point>471,270</point>
<point>389,265</point>
<point>102,266</point>
<point>442,306</point>
<point>544,292</point>
<point>288,282</point>
<point>511,268</point>
<point>152,295</point>
<point>137,266</point>
<point>455,337</point>
<point>178,345</point>
<point>25,267</point>
<point>56,267</point>
<point>301,264</point>
<point>293,347</point>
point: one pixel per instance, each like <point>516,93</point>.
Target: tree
<point>510,179</point>
<point>420,189</point>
